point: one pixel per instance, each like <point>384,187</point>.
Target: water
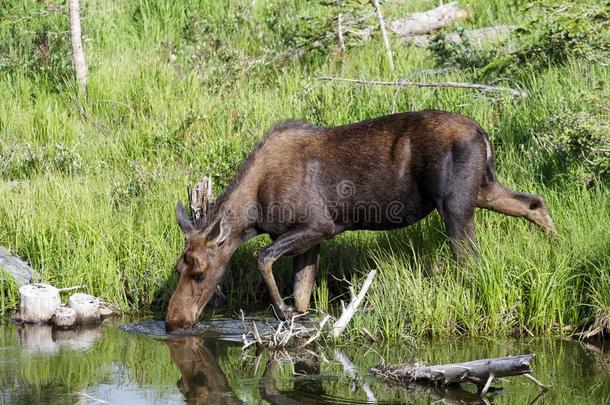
<point>138,363</point>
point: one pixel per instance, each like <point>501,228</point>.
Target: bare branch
<point>384,33</point>
<point>404,83</point>
<point>349,312</point>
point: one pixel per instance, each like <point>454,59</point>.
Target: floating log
<point>38,303</point>
<point>479,372</point>
<point>87,307</point>
<point>64,317</point>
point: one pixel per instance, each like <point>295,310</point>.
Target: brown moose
<point>303,184</point>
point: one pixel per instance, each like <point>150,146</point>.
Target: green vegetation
<point>179,90</point>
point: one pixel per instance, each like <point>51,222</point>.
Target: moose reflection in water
<point>202,381</point>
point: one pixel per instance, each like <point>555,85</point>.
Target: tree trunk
<point>78,55</point>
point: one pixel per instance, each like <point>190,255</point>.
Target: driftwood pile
<point>296,333</point>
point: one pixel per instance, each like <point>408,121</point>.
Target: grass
<point>177,90</point>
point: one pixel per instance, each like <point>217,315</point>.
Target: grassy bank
<point>180,90</point>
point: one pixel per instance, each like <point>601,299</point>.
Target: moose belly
<point>381,214</point>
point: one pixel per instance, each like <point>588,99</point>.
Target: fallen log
<point>479,372</point>
<point>427,21</point>
<point>424,22</point>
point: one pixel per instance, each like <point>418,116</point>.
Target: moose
<point>303,184</point>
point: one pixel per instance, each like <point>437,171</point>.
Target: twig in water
<point>404,83</point>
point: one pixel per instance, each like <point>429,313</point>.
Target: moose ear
<point>183,220</point>
<point>219,232</point>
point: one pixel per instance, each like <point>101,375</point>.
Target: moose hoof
<point>289,312</point>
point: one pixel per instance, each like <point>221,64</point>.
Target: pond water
<point>121,363</point>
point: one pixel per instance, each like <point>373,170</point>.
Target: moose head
<point>201,266</point>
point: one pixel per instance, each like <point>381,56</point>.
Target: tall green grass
<point>179,90</point>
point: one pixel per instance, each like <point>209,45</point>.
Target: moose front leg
<point>290,243</point>
<point>305,267</point>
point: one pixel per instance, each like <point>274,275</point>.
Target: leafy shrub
<point>461,54</point>
<point>555,32</point>
<point>23,161</point>
<point>582,137</point>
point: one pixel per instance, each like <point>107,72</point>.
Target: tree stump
<point>64,317</point>
<point>87,308</point>
<point>38,303</point>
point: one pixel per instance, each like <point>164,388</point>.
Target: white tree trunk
<point>87,307</point>
<point>78,55</point>
<point>38,302</point>
<point>64,317</point>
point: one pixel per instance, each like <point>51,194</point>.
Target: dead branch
<point>600,325</point>
<point>351,309</point>
<point>404,83</point>
<point>384,33</point>
<point>479,372</point>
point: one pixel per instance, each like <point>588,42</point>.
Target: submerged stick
<point>405,83</point>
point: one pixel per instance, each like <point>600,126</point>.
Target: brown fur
<point>304,184</point>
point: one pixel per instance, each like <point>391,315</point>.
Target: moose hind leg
<point>501,199</point>
<point>290,243</point>
<point>305,267</point>
<point>458,215</point>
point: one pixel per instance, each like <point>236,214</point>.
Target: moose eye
<point>198,277</point>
